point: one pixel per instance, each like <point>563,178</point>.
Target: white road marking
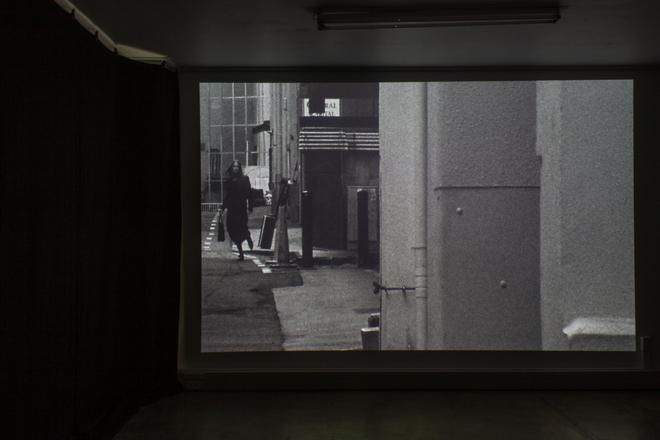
<point>261,265</point>
<point>206,245</point>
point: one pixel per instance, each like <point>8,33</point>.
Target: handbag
<point>221,229</point>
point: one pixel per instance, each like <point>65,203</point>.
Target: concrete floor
<point>397,415</point>
<point>328,310</point>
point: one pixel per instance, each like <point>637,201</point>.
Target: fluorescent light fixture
<point>421,18</point>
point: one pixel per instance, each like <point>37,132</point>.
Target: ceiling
<point>282,33</point>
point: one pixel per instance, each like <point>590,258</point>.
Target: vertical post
<point>421,297</point>
<point>363,226</point>
<point>419,248</point>
<point>281,238</point>
<point>209,194</point>
<point>271,186</point>
<point>276,142</point>
<point>281,231</point>
<point>307,229</point>
<point>286,144</point>
<point>280,121</point>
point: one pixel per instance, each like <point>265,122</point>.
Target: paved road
<point>329,309</point>
<point>238,307</point>
<point>246,308</point>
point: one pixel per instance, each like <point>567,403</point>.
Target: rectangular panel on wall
<point>485,252</point>
<point>483,217</point>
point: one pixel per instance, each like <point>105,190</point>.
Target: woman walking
<point>237,202</point>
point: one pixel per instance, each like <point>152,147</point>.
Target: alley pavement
<point>250,305</point>
<point>238,307</point>
<point>328,310</point>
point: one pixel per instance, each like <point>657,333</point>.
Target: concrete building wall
<point>204,104</point>
<point>291,144</point>
<point>285,126</point>
<point>402,130</point>
<point>529,217</point>
<point>585,137</point>
<point>278,137</point>
<point>260,142</point>
<point>483,216</point>
<point>264,108</point>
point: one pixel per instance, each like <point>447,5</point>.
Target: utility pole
<point>281,251</point>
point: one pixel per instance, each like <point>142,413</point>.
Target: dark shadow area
<point>90,232</point>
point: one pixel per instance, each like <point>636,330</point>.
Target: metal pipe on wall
<point>420,208</point>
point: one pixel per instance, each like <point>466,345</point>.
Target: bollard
<point>281,238</point>
<point>307,229</point>
<point>363,227</point>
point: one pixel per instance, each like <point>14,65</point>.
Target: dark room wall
<point>90,229</point>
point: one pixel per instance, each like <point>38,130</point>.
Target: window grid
<point>240,124</point>
<point>230,132</point>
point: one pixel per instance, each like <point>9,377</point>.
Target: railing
<point>210,207</point>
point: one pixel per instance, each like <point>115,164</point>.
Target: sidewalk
<point>325,312</point>
<point>331,306</point>
<point>328,310</point>
<point>238,308</point>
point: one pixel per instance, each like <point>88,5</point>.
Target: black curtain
<point>89,232</point>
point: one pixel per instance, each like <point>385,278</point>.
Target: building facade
<point>229,113</point>
<point>339,146</point>
<point>508,207</point>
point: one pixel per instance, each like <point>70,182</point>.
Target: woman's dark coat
<point>237,200</point>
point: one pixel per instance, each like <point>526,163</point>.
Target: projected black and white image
<point>417,216</point>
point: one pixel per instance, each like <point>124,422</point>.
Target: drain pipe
<point>419,241</point>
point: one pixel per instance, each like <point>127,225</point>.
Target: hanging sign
<point>331,108</point>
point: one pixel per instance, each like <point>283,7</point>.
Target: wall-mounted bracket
<point>379,287</point>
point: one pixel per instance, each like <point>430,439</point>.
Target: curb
<point>296,258</point>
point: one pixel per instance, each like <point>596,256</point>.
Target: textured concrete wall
<point>585,136</point>
<point>263,114</point>
<point>483,216</point>
<point>204,139</point>
<point>402,129</point>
